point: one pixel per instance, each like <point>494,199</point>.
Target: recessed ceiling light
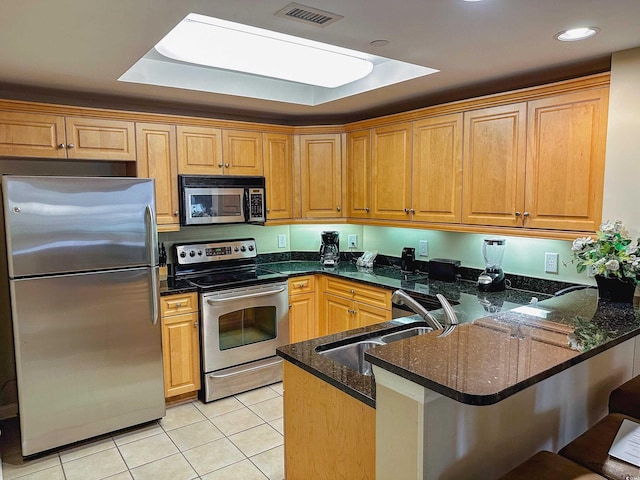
<point>232,46</point>
<point>575,34</point>
<point>379,43</point>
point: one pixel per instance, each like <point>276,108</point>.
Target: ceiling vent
<point>313,16</point>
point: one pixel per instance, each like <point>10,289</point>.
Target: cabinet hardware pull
<point>195,324</point>
<point>366,209</point>
<point>226,165</point>
<point>220,165</point>
<point>268,210</point>
<point>338,209</point>
<point>71,145</point>
<point>518,214</point>
<point>62,145</point>
<point>290,306</point>
<point>176,213</point>
<point>413,210</point>
<point>352,291</point>
<point>178,304</point>
<point>406,210</point>
<point>526,214</point>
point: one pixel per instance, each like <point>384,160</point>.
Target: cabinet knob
<point>290,306</point>
<point>195,324</point>
<point>413,210</point>
<point>178,304</point>
<point>366,209</point>
<point>62,145</point>
<point>226,165</point>
<point>526,214</point>
<point>352,291</point>
<point>268,210</point>
<point>406,210</point>
<point>71,145</point>
<point>518,214</point>
<point>176,213</point>
<point>338,209</point>
<point>220,165</point>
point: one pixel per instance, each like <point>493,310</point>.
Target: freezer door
<point>88,355</point>
<point>74,224</point>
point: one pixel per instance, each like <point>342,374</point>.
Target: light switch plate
<point>282,241</point>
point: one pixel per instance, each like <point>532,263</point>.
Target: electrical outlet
<point>282,240</point>
<point>551,262</point>
<point>352,240</point>
<point>423,251</point>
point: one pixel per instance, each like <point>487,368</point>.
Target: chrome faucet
<point>400,297</point>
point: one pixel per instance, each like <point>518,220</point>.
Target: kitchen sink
<point>351,355</point>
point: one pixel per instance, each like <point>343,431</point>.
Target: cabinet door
<point>436,191</point>
<point>242,152</point>
<point>278,172</point>
<point>336,315</point>
<point>180,351</point>
<point>157,159</point>
<point>199,150</point>
<point>100,139</point>
<point>391,172</point>
<point>367,315</point>
<point>494,166</point>
<point>321,172</point>
<point>359,174</point>
<point>565,161</point>
<point>32,135</point>
<point>302,317</point>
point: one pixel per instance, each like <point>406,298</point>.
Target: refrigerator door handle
<point>155,296</point>
<point>152,235</point>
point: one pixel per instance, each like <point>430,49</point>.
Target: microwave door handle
<point>213,301</point>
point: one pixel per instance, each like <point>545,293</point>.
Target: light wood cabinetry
<point>157,159</point>
<point>494,165</point>
<point>278,172</point>
<point>242,152</point>
<point>337,441</point>
<point>302,309</point>
<point>321,175</point>
<point>436,185</point>
<point>391,154</point>
<point>180,344</point>
<point>359,179</point>
<point>56,136</point>
<point>200,150</point>
<point>565,161</point>
<point>345,305</point>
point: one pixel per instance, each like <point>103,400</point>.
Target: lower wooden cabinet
<point>180,344</point>
<point>303,324</point>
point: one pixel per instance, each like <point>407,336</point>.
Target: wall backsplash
<point>523,256</point>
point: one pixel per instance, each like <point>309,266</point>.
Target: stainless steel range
<point>244,313</point>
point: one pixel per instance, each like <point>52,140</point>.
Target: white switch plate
<point>551,262</point>
<point>352,240</point>
<point>423,250</point>
<point>282,241</point>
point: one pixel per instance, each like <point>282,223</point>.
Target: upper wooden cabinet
<point>391,154</point>
<point>200,150</point>
<point>436,189</point>
<point>494,165</point>
<point>565,161</point>
<point>321,175</point>
<point>157,159</point>
<point>242,152</point>
<point>359,174</point>
<point>278,172</point>
<point>54,136</point>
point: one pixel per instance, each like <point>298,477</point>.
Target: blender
<point>492,278</point>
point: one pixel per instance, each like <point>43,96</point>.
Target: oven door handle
<point>213,301</point>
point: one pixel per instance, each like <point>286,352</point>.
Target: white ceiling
<point>83,46</point>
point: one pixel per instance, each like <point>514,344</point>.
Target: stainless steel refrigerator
<point>82,262</point>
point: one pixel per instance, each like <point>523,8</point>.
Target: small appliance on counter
<point>329,248</point>
<point>443,269</point>
<point>408,260</point>
<point>492,278</point>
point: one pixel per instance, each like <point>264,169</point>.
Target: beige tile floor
<point>239,437</point>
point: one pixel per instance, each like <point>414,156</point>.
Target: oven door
<point>241,325</point>
<point>209,205</point>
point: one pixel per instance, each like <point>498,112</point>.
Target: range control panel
<point>209,252</point>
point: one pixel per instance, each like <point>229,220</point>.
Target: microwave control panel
<point>209,252</point>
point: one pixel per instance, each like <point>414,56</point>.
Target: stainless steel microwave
<point>209,200</point>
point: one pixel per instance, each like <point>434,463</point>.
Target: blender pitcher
<point>492,279</point>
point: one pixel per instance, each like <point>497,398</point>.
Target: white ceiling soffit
<point>156,69</point>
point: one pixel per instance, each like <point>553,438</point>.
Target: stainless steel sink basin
<point>411,332</point>
<point>351,355</point>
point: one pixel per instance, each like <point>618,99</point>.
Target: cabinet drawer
<point>302,285</point>
<point>378,297</point>
<point>176,304</point>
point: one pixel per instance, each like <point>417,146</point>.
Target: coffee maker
<point>492,278</point>
<point>329,249</point>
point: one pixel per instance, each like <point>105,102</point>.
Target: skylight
<point>213,55</point>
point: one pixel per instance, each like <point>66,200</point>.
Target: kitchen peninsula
<point>507,382</point>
